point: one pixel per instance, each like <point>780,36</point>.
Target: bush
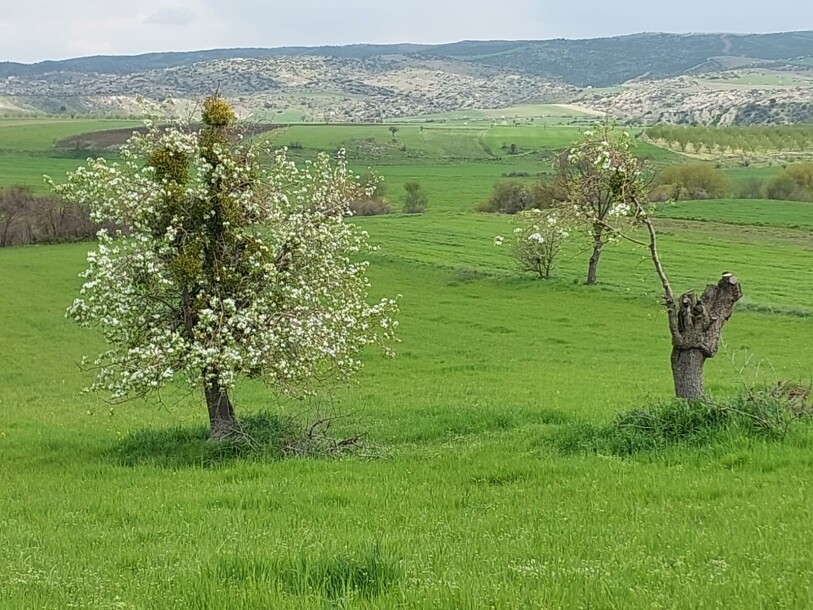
<point>537,242</point>
<point>767,413</point>
<point>375,185</point>
<point>26,218</point>
<point>547,193</point>
<point>795,183</point>
<point>369,206</point>
<point>694,180</point>
<point>802,174</point>
<point>664,192</point>
<point>784,188</point>
<point>508,197</point>
<point>415,200</point>
<point>753,188</point>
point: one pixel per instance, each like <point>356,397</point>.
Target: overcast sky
<point>33,30</point>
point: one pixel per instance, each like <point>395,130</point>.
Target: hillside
<point>642,77</point>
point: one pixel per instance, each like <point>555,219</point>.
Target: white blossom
<point>289,301</point>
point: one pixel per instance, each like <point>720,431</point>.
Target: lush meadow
<point>461,497</point>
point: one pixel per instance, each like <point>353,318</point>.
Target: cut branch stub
<point>700,321</point>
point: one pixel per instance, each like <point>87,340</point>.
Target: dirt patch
<point>112,139</point>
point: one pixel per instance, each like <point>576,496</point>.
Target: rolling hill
<point>378,82</point>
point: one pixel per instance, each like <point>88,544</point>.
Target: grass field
<point>461,500</point>
<point>761,78</point>
<point>456,164</point>
<point>540,113</point>
<point>791,214</point>
<point>27,147</point>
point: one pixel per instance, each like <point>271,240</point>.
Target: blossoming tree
<point>695,323</point>
<point>225,264</point>
<point>537,242</point>
<point>591,192</point>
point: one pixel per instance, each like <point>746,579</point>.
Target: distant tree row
<point>674,182</point>
<point>703,181</point>
<point>733,139</point>
<point>26,218</point>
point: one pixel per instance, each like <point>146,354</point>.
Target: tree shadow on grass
<point>260,437</point>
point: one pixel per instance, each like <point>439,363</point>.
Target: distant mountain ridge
<point>598,62</point>
<point>641,78</point>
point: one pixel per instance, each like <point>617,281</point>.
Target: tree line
<point>732,138</point>
<point>27,218</point>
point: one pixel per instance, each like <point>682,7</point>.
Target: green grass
<point>460,500</point>
<point>761,79</point>
<point>467,502</point>
<point>755,212</point>
<point>737,176</point>
<point>22,170</point>
<point>27,148</point>
<point>27,135</point>
<point>540,113</point>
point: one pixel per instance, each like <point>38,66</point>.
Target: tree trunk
<point>221,411</point>
<point>598,243</point>
<point>687,371</point>
<point>696,325</point>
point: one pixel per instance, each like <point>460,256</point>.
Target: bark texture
<point>221,411</point>
<point>696,325</point>
<point>598,244</point>
<point>687,372</point>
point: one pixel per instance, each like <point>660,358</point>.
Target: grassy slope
<point>26,147</point>
<point>466,494</point>
<point>768,213</point>
<point>470,499</point>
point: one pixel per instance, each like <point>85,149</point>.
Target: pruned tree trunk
<point>687,372</point>
<point>696,325</point>
<point>221,411</point>
<point>598,244</point>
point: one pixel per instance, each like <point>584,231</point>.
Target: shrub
<point>783,187</point>
<point>695,180</point>
<point>374,184</point>
<point>753,188</point>
<point>508,197</point>
<point>369,206</point>
<point>547,193</point>
<point>802,174</point>
<point>795,183</point>
<point>26,218</point>
<point>415,200</point>
<point>537,242</point>
<point>767,413</point>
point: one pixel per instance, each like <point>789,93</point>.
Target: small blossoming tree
<point>592,188</point>
<point>225,264</point>
<point>537,242</point>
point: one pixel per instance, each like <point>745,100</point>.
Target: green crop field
<point>461,498</point>
<point>27,147</point>
<point>791,214</point>
<point>540,113</point>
